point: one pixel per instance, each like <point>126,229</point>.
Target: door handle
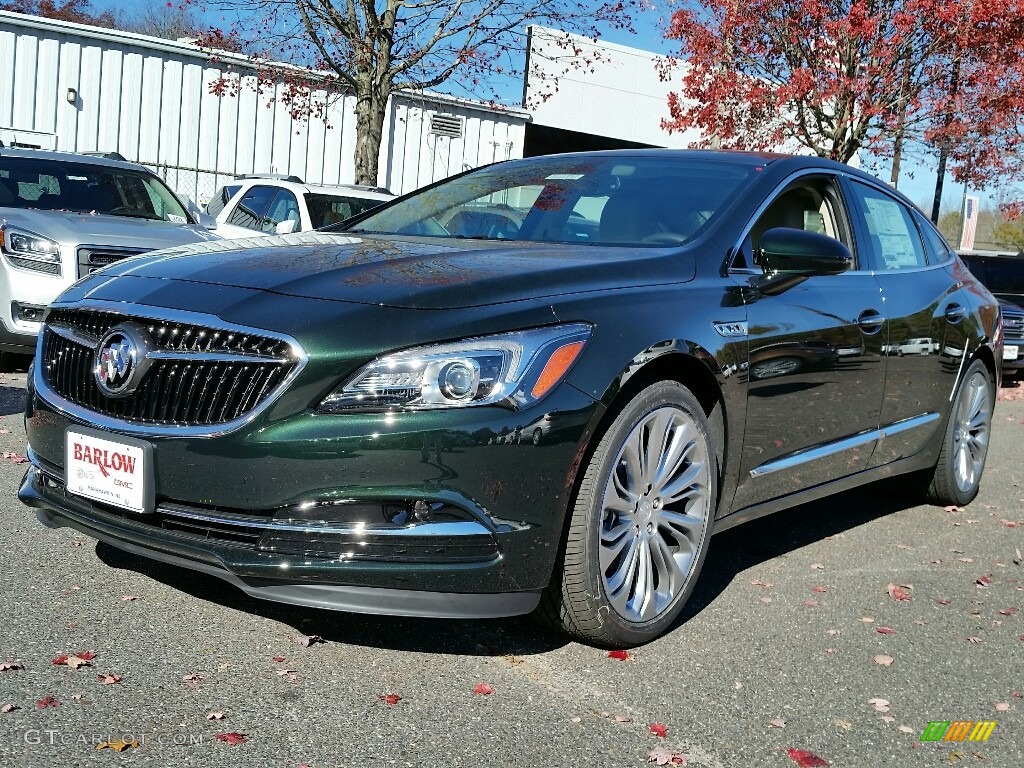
<point>870,321</point>
<point>955,313</point>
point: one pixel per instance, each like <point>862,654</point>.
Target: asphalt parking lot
<point>839,630</point>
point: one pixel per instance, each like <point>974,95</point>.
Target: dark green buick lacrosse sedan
<point>541,386</point>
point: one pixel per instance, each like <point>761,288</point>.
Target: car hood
<point>409,273</point>
<point>67,227</point>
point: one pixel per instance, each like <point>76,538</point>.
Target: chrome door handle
<point>955,313</point>
<point>870,321</point>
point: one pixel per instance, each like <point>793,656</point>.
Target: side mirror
<point>798,252</point>
<point>286,227</point>
<point>206,221</point>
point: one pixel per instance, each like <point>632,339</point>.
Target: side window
<point>812,204</point>
<point>220,198</point>
<point>250,209</point>
<point>284,208</point>
<point>893,239</point>
<point>938,250</point>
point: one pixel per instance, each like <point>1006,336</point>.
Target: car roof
<point>350,190</point>
<point>71,157</point>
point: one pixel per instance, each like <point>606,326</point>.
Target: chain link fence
<point>197,184</point>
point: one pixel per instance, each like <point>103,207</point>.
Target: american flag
<point>970,223</point>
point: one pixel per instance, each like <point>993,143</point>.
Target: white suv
<point>269,205</point>
<point>64,216</point>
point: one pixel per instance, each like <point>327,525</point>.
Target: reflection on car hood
<point>410,273</point>
<point>101,229</point>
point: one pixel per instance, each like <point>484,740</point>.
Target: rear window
<point>68,186</point>
<point>325,210</point>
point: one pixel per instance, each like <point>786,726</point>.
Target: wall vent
<point>446,125</point>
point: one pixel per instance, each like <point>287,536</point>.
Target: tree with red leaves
<point>373,48</point>
<point>76,11</point>
<point>846,75</point>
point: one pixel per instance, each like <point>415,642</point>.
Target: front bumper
<point>262,577</point>
<point>326,512</point>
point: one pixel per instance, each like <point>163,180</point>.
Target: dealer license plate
<point>108,468</point>
<point>1010,353</point>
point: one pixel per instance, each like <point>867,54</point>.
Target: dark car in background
<point>1003,274</point>
<point>325,420</point>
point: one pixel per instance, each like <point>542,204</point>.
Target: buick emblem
<point>121,359</point>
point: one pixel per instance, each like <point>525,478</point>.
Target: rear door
<point>927,318</point>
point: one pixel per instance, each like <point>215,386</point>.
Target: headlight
<point>510,369</point>
<point>30,251</point>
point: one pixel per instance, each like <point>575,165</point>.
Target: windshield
<point>54,185</point>
<point>325,210</point>
<point>597,200</point>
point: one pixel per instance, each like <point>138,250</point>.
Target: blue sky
<point>917,180</point>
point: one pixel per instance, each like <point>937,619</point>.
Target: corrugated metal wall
<point>150,100</point>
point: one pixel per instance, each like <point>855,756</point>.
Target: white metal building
<point>85,89</point>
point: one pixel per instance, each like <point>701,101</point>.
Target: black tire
<point>956,477</point>
<point>538,435</point>
<point>669,535</point>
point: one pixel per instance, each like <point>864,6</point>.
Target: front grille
<point>201,376</point>
<point>1013,327</point>
<point>92,258</point>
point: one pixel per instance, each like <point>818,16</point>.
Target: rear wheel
<point>640,524</point>
<point>957,474</point>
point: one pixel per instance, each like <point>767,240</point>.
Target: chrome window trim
<point>85,416</point>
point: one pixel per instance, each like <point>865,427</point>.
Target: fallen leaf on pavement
<point>619,655</point>
<point>844,724</point>
<point>390,698</point>
<point>975,640</point>
<point>7,666</point>
<point>279,659</point>
<point>8,708</point>
<point>885,630</point>
<point>77,661</point>
<point>983,581</point>
<point>47,701</point>
<point>906,729</point>
<point>483,689</point>
<point>806,759</point>
<point>817,567</point>
<point>215,716</point>
<point>943,601</point>
<point>109,679</point>
<point>898,593</point>
<point>623,719</point>
<point>195,677</point>
<point>1007,611</point>
<point>129,598</point>
<point>664,756</point>
<point>658,730</point>
<point>307,640</point>
<point>759,583</point>
<point>778,722</point>
<point>809,603</point>
<point>766,600</point>
<point>118,746</point>
<point>233,738</point>
<point>1002,706</point>
<point>834,632</point>
<point>819,590</point>
<point>885,661</point>
<point>880,705</point>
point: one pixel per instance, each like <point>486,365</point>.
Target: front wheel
<point>957,474</point>
<point>640,524</point>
